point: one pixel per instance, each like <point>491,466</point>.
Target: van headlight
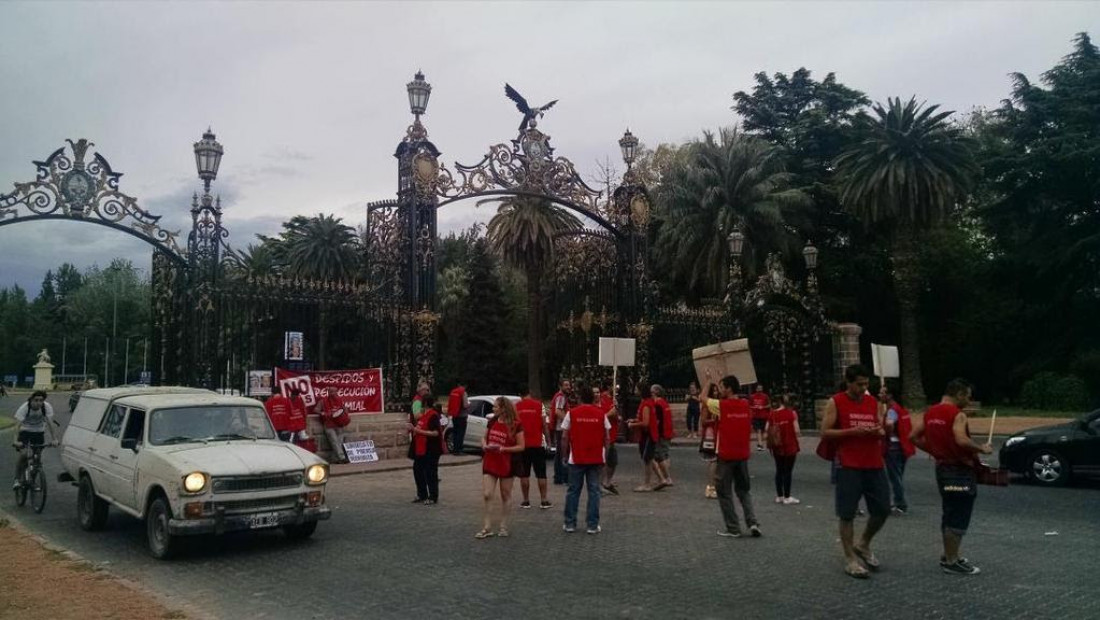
<point>194,482</point>
<point>1012,441</point>
<point>317,474</point>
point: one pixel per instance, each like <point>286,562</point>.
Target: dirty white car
<point>188,461</point>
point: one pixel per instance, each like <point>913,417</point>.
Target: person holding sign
<point>898,446</point>
<point>334,417</point>
<point>278,411</point>
<point>296,415</point>
<point>853,420</point>
<point>607,406</point>
<point>945,434</point>
<point>500,448</point>
<point>733,430</point>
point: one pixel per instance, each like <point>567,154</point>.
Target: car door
<point>476,423</point>
<point>1085,450</point>
<point>124,460</point>
<point>105,451</point>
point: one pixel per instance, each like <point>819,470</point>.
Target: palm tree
<point>723,182</point>
<point>258,260</point>
<point>905,173</point>
<point>522,234</point>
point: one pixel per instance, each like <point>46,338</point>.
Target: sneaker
<point>963,561</point>
<point>791,501</point>
<point>525,504</point>
<point>959,568</point>
<point>545,504</point>
<point>568,529</point>
<point>15,486</point>
<point>595,530</point>
<point>778,499</point>
<point>729,534</point>
<point>897,512</point>
<point>755,531</point>
<point>614,489</point>
<point>418,500</point>
<point>428,502</point>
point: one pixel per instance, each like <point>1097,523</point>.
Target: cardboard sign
<point>732,357</point>
<point>293,346</point>
<point>361,390</point>
<point>361,451</point>
<point>885,359</point>
<point>259,383</point>
<point>617,351</point>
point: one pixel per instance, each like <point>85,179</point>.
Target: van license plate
<point>267,519</point>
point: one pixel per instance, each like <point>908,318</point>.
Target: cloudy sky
<point>309,99</point>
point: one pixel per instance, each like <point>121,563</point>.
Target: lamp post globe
<point>208,156</point>
<point>809,253</point>
<point>736,241</point>
<point>629,146</point>
<point>419,93</point>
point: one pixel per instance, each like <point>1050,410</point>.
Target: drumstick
<point>992,423</point>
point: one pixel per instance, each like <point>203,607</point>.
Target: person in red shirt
<point>500,449</point>
<point>854,421</point>
<point>662,433</point>
<point>278,411</point>
<point>643,426</point>
<point>296,417</point>
<point>533,456</point>
<point>334,417</point>
<point>559,405</point>
<point>584,438</point>
<point>945,434</point>
<point>733,437</point>
<point>898,447</point>
<point>607,406</point>
<point>427,447</point>
<point>457,404</point>
<point>783,425</point>
<point>761,405</point>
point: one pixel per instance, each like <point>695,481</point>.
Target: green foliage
<point>723,182</point>
<point>1048,390</point>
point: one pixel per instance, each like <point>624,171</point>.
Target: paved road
<point>658,556</point>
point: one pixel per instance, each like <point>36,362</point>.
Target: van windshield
<point>204,424</point>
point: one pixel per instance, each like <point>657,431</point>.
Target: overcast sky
<point>309,99</point>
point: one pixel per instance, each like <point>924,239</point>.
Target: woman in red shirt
<point>500,449</point>
<point>783,426</point>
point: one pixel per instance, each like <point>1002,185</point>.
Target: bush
<point>1048,390</point>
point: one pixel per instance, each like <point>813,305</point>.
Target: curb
<point>383,466</point>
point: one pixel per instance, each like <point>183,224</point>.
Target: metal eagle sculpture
<point>529,113</point>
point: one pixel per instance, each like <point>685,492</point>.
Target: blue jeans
<point>895,470</point>
<point>561,474</point>
<point>590,476</point>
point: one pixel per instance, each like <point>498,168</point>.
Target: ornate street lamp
<point>810,254</point>
<point>208,156</point>
<point>736,242</point>
<point>629,145</point>
<point>419,92</point>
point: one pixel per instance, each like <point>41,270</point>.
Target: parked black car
<point>1050,455</point>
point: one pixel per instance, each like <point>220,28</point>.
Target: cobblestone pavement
<point>657,557</point>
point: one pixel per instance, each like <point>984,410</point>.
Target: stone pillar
<point>43,376</point>
<point>845,348</point>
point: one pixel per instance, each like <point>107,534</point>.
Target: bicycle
<point>32,482</point>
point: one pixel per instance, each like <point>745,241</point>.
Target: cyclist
<point>33,417</point>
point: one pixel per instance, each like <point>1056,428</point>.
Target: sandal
<point>868,558</point>
<point>483,534</point>
<point>503,533</point>
<point>643,489</point>
<point>857,572</point>
<point>661,485</point>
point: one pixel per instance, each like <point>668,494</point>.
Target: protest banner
<point>361,390</point>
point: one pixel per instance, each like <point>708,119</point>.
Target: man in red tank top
<point>943,433</point>
<point>733,440</point>
<point>533,456</point>
<point>584,439</point>
<point>853,419</point>
<point>761,405</point>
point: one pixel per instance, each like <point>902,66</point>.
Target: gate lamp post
<point>629,145</point>
<point>208,156</point>
<point>419,93</point>
<point>736,241</point>
<point>809,253</point>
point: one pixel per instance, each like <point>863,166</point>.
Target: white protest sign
<point>361,451</point>
<point>616,352</point>
<point>300,384</point>
<point>885,359</point>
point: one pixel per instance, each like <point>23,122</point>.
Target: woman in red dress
<point>783,432</point>
<point>500,449</point>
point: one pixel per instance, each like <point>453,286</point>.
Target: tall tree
<point>723,182</point>
<point>522,233</point>
<point>479,342</point>
<point>906,173</point>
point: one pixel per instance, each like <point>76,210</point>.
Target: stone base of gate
<point>387,430</point>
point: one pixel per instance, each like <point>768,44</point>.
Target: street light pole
<point>126,366</point>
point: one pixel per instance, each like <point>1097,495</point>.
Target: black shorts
<point>870,484</point>
<point>646,448</point>
<point>958,489</point>
<point>612,456</point>
<point>533,458</point>
<point>31,438</point>
<point>759,424</point>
